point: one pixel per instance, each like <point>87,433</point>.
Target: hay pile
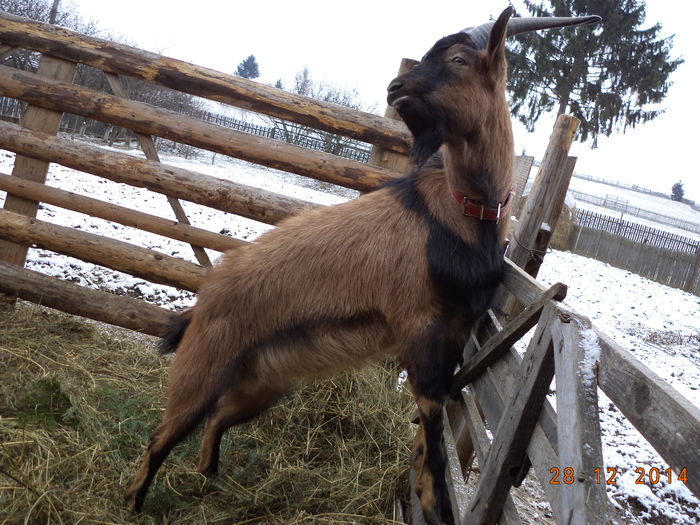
<point>78,404</point>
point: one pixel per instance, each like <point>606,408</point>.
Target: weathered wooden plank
<point>482,445</point>
<point>663,416</point>
<point>514,431</point>
<point>416,511</point>
<point>524,287</point>
<point>492,388</point>
<point>149,149</point>
<point>576,353</point>
<point>140,262</point>
<point>38,288</point>
<point>115,213</point>
<point>494,348</point>
<point>459,496</point>
<point>203,82</point>
<point>152,120</point>
<point>224,195</point>
<point>28,168</point>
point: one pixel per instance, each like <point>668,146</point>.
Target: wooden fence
<point>662,256</point>
<point>624,207</point>
<point>11,110</point>
<point>504,393</point>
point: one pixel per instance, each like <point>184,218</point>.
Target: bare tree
<point>310,137</point>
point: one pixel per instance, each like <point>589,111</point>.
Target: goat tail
<point>174,332</point>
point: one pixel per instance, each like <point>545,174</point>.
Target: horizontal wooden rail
<point>208,83</point>
<point>665,418</point>
<point>220,194</point>
<point>112,212</point>
<point>152,120</point>
<point>118,255</point>
<point>72,298</point>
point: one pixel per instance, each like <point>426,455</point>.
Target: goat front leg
<point>431,378</point>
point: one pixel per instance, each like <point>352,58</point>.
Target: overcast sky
<point>360,44</point>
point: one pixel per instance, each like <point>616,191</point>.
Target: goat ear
<point>497,43</point>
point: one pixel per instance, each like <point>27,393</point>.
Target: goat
<point>404,271</point>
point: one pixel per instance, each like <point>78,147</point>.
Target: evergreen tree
<point>677,191</point>
<point>248,68</point>
<point>610,76</point>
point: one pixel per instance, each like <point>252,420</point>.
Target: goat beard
<point>427,127</point>
<point>426,143</point>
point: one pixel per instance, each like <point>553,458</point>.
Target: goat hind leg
<point>239,404</point>
<point>430,464</point>
<point>187,405</point>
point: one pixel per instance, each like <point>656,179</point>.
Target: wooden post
<point>546,199</point>
<point>693,274</point>
<point>46,121</point>
<point>576,355</point>
<point>384,157</point>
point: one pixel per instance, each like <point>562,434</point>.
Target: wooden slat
<point>524,287</point>
<point>416,511</point>
<point>514,431</point>
<point>459,496</point>
<point>112,212</point>
<point>28,168</point>
<point>203,82</point>
<point>663,416</point>
<point>140,262</point>
<point>492,388</point>
<point>149,149</point>
<point>501,342</point>
<point>576,353</point>
<point>482,445</point>
<point>220,194</point>
<point>66,296</point>
<point>152,120</point>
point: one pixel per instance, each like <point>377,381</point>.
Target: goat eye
<point>459,60</point>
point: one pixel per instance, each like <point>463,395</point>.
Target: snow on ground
<point>651,203</point>
<point>658,324</point>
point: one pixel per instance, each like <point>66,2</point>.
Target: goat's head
<point>459,85</point>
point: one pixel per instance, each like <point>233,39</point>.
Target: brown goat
<point>403,271</point>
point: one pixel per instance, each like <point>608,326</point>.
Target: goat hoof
<point>134,501</point>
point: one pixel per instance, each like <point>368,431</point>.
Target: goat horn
<point>480,34</point>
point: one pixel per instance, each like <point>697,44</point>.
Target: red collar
<point>472,208</point>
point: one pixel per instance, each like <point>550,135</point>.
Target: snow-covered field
<point>659,325</point>
<point>651,203</point>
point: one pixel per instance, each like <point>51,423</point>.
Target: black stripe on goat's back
<point>465,275</point>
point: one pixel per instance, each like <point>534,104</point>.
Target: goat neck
<point>480,166</point>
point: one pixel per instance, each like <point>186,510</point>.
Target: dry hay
<point>78,404</point>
